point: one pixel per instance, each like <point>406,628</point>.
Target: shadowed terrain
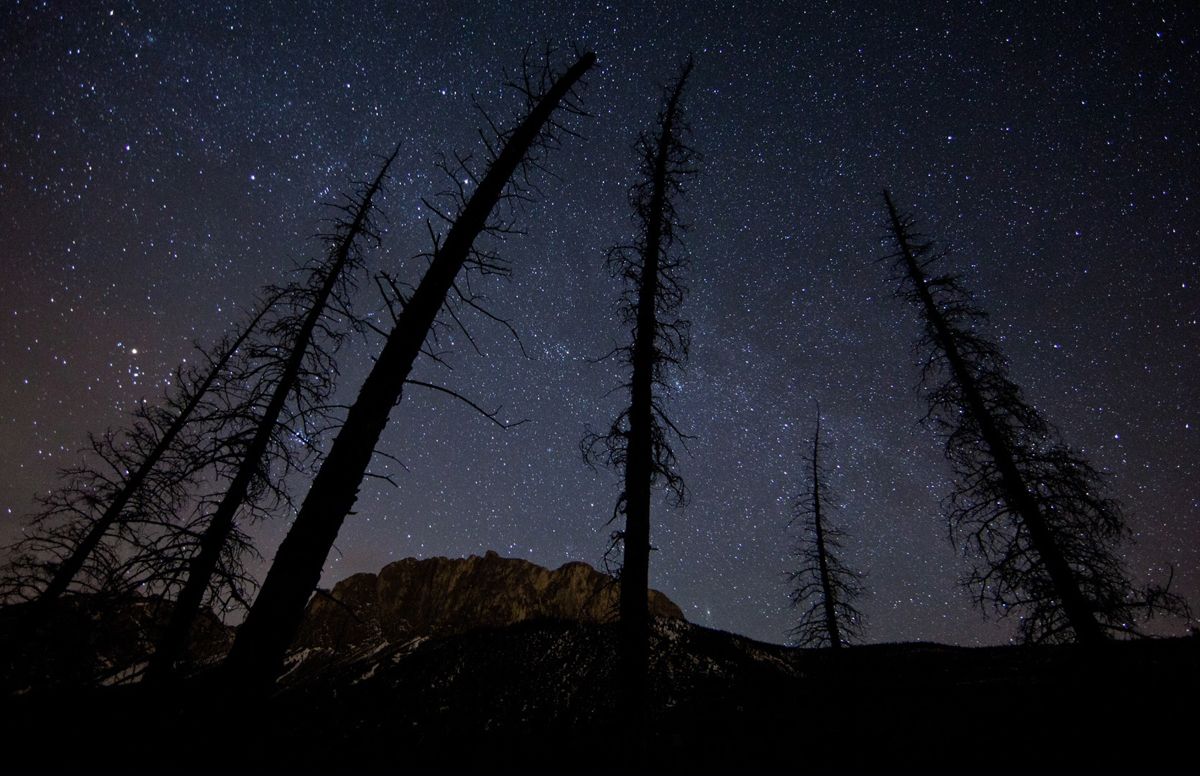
<point>542,693</point>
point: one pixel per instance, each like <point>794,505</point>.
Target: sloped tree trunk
<point>271,623</point>
<point>204,564</point>
<point>67,571</point>
<point>1016,491</point>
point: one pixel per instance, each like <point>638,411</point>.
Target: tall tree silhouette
<point>88,529</point>
<point>294,353</point>
<point>825,587</point>
<point>639,439</point>
<point>1029,509</point>
<point>271,624</point>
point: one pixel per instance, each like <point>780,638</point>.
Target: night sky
<point>158,163</point>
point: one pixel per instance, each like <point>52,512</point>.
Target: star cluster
<point>158,162</point>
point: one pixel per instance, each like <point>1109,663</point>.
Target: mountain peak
<point>441,596</point>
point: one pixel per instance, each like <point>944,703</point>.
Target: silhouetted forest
<point>115,598</point>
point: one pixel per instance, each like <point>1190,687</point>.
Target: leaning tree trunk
<point>202,567</point>
<point>1016,490</point>
<point>271,624</point>
<point>70,568</point>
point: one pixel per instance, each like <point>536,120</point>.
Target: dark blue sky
<point>159,162</point>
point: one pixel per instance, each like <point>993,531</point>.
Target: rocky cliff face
<point>441,596</point>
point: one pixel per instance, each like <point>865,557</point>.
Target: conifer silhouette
<point>825,588</point>
<point>1028,508</point>
<point>296,363</point>
<point>639,440</point>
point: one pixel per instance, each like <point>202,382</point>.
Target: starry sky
<point>160,161</point>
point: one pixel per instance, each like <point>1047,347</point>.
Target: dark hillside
<point>540,694</point>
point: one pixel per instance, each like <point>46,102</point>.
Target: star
<point>1049,150</point>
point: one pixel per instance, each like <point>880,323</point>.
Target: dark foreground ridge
<point>541,694</point>
<point>538,695</point>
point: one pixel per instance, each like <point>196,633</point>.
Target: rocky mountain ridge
<point>544,693</point>
<point>91,639</point>
<point>441,596</point>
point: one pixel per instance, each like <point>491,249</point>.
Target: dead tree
<point>296,365</point>
<point>1028,508</point>
<point>271,624</point>
<point>83,532</point>
<point>639,439</point>
<point>825,588</point>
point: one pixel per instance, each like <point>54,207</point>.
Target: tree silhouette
<point>102,529</point>
<point>825,588</point>
<point>1027,507</point>
<point>295,364</point>
<point>271,624</point>
<point>639,439</point>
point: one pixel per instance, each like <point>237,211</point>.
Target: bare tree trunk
<point>640,459</point>
<point>831,622</point>
<point>1016,491</point>
<point>635,569</point>
<point>271,623</point>
<point>66,572</point>
<point>200,570</point>
<point>826,588</point>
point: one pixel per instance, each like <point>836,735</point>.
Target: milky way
<point>159,163</point>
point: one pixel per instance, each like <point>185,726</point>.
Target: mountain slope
<point>417,690</point>
<point>540,694</point>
